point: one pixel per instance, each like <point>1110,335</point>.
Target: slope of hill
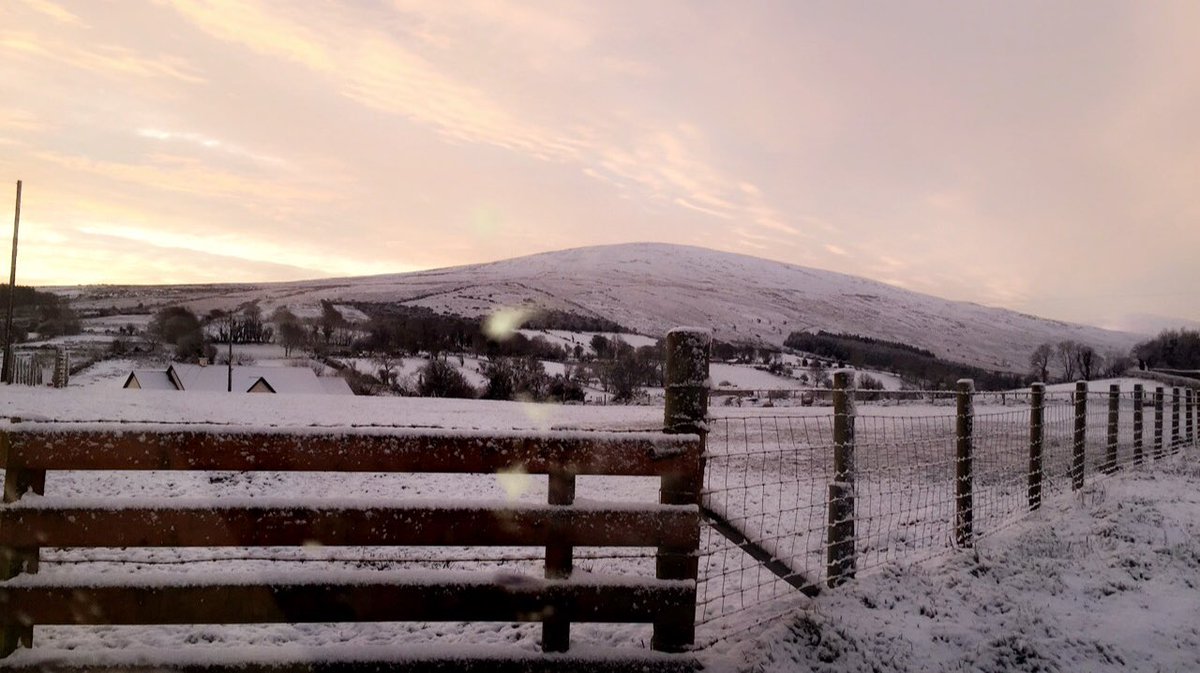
<point>650,288</point>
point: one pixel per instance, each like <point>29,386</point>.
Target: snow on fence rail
<point>814,498</point>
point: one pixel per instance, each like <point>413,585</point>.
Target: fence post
<point>1175,441</point>
<point>1189,406</point>
<point>18,480</point>
<point>1139,392</point>
<point>1079,443</point>
<point>1158,421</point>
<point>964,515</point>
<point>62,368</point>
<point>1114,415</point>
<point>556,630</point>
<point>839,550</point>
<point>685,411</point>
<point>1037,436</point>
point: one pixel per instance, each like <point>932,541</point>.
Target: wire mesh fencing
<point>772,482</point>
<point>765,480</point>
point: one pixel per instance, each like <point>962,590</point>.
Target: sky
<point>1039,156</point>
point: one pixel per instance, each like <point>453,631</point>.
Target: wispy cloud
<point>208,143</point>
<point>240,246</point>
<point>20,120</point>
<point>529,26</point>
<point>371,67</point>
<point>17,125</point>
<point>185,175</point>
<point>52,10</point>
<point>103,59</point>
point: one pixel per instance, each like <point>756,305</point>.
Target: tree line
<point>44,314</point>
<point>1171,349</point>
<point>915,366</point>
<point>617,368</point>
<point>1070,360</point>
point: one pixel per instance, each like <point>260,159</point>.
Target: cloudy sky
<point>1039,156</point>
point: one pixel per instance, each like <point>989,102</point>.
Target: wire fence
<point>768,480</point>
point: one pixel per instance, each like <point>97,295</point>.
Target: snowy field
<point>1108,580</point>
<point>111,324</point>
<point>569,340</point>
<point>1000,611</point>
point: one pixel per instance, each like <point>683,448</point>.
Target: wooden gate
<point>28,598</point>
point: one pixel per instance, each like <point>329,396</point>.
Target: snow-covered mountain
<point>651,287</point>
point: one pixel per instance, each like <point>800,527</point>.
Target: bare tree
<point>1067,359</point>
<point>388,368</point>
<point>291,333</point>
<point>1088,361</point>
<point>1040,361</point>
<point>1116,363</point>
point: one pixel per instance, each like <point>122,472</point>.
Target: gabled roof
<point>150,379</point>
<point>215,378</point>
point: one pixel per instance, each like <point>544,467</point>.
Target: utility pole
<point>7,370</point>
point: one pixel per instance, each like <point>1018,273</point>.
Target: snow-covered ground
<point>746,377</point>
<point>306,311</point>
<point>1105,581</point>
<point>111,324</point>
<point>110,373</point>
<point>82,404</point>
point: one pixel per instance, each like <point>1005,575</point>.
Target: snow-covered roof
<point>215,378</point>
<point>334,385</point>
<point>150,379</point>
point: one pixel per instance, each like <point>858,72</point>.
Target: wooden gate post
<point>18,480</point>
<point>685,411</point>
<point>1175,440</point>
<point>1139,393</point>
<point>1037,436</point>
<point>1158,421</point>
<point>839,551</point>
<point>964,512</point>
<point>1079,444</point>
<point>556,630</point>
<point>1114,412</point>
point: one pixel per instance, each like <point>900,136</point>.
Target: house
<point>286,380</point>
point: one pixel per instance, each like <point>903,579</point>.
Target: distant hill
<point>651,287</point>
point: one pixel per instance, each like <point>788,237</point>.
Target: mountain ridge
<point>651,287</point>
